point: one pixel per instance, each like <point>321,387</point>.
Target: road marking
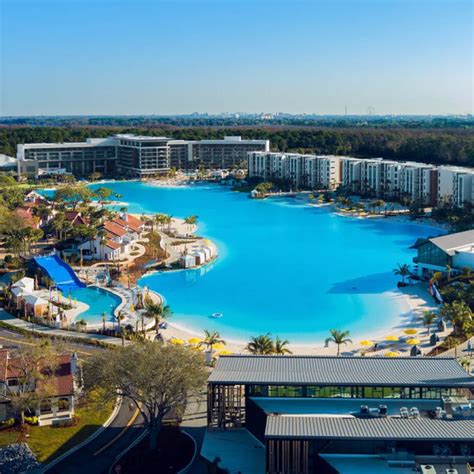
<point>124,429</point>
<point>19,341</point>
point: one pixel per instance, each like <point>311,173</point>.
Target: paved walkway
<point>47,331</point>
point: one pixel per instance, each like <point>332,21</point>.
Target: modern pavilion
<point>304,409</point>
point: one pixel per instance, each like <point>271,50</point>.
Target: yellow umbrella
<point>413,342</point>
<point>391,338</point>
<point>410,331</point>
<point>366,343</point>
<point>391,354</point>
<point>175,340</point>
<point>225,353</point>
<point>194,340</point>
<point>219,345</point>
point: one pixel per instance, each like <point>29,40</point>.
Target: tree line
<point>437,146</point>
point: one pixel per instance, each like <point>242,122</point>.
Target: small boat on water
<point>216,315</point>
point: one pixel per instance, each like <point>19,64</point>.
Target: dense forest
<point>437,146</point>
<point>244,120</point>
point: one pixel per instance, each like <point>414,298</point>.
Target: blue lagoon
<point>284,267</point>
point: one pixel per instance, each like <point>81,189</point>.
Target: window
<point>12,382</point>
<point>63,404</point>
<point>45,406</point>
<point>285,391</point>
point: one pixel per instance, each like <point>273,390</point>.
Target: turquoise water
<point>99,301</point>
<point>284,267</point>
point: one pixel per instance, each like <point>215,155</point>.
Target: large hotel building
<point>429,184</point>
<point>133,155</point>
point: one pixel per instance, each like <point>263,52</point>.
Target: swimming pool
<point>284,267</point>
<point>99,300</point>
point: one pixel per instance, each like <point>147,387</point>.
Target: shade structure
<point>176,341</point>
<point>218,346</point>
<point>391,354</point>
<point>410,331</point>
<point>391,338</point>
<point>367,343</point>
<point>194,340</point>
<point>413,342</point>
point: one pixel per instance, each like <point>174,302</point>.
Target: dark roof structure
<point>350,428</point>
<point>343,371</point>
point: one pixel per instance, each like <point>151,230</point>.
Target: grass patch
<point>48,442</point>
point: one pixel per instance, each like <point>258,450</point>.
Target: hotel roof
<point>350,428</point>
<point>344,371</point>
<point>452,242</point>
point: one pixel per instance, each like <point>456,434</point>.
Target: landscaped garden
<point>48,442</point>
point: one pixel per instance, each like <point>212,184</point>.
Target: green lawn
<point>48,442</point>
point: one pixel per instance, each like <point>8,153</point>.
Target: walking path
<point>48,331</point>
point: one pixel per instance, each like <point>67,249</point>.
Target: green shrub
<point>31,420</point>
<point>7,423</point>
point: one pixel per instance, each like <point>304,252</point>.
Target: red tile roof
<point>63,380</point>
<point>25,214</point>
<point>112,245</point>
<point>126,225</point>
<point>75,217</point>
<point>114,229</point>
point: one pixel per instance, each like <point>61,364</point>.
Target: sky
<point>105,57</point>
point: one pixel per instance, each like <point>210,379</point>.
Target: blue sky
<point>180,56</point>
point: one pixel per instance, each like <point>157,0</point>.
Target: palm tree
<point>260,345</point>
<point>403,271</point>
<point>279,346</point>
<point>448,272</point>
<point>157,311</point>
<point>338,337</point>
<point>104,318</point>
<point>120,317</point>
<point>211,339</point>
<point>459,315</point>
<point>428,318</point>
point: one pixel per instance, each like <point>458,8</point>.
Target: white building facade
<point>375,177</point>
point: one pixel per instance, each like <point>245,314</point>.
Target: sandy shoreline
<point>415,297</point>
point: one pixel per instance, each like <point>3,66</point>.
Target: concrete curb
<point>186,469</point>
<point>118,405</point>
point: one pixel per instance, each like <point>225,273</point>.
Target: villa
<point>54,409</point>
<point>436,254</point>
<point>308,414</point>
<point>120,234</point>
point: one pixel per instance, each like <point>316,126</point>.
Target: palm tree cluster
<point>265,345</point>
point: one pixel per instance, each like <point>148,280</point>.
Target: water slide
<point>60,272</point>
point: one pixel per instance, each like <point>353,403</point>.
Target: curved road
<point>98,455</point>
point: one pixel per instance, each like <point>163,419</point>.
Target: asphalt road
<point>97,456</point>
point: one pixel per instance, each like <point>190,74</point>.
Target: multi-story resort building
<point>133,155</point>
<point>306,414</point>
<point>428,184</point>
<point>312,171</point>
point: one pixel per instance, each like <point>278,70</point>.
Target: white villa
<point>120,234</point>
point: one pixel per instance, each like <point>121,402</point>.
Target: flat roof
<point>351,428</point>
<point>325,370</point>
<point>449,243</point>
